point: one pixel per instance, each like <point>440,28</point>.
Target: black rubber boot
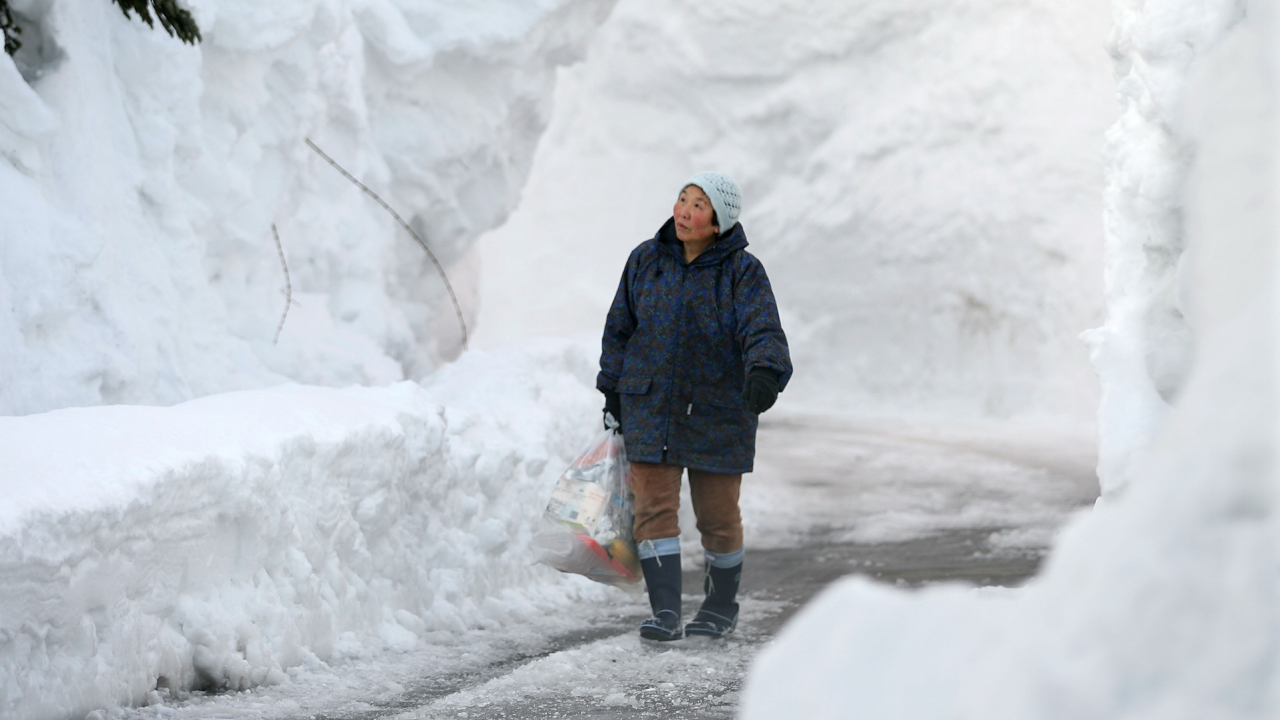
<point>662,576</point>
<point>718,615</point>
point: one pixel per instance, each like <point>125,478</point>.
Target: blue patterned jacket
<point>678,343</point>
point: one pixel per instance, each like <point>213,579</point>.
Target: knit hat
<point>724,194</point>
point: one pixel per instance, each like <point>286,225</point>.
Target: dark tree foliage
<point>9,28</point>
<point>176,21</point>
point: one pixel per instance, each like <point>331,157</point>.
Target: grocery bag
<point>586,528</point>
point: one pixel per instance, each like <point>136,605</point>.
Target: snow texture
<point>880,482</point>
<point>141,178</point>
<point>345,549</point>
<point>1143,354</point>
<point>1162,602</point>
<point>223,542</point>
<point>922,180</point>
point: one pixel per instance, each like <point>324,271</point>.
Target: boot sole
<point>651,633</point>
<point>655,629</point>
<point>713,633</point>
<point>710,628</point>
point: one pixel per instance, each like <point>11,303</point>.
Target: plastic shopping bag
<point>586,528</point>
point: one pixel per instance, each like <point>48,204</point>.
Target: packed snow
<point>143,177</point>
<point>224,541</point>
<point>1144,352</point>
<point>876,482</point>
<point>1162,601</point>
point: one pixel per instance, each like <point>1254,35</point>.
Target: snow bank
<point>1143,353</point>
<point>1162,603</point>
<point>922,182</point>
<point>221,542</point>
<point>141,179</point>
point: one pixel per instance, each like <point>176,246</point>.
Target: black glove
<point>612,406</point>
<point>761,390</point>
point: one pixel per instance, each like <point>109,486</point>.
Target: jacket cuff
<point>606,383</point>
<point>767,371</point>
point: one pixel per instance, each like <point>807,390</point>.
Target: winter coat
<point>678,343</point>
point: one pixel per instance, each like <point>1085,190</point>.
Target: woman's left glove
<point>761,390</point>
<point>612,410</point>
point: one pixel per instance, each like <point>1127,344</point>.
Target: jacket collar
<point>734,240</point>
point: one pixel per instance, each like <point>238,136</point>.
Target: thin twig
<point>457,308</point>
<point>288,285</point>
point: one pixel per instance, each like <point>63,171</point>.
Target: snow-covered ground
<point>366,549</point>
<point>345,545</point>
<point>879,481</point>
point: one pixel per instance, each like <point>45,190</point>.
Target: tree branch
<point>448,286</point>
<point>288,285</point>
<point>175,21</point>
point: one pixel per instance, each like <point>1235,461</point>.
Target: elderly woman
<point>693,352</point>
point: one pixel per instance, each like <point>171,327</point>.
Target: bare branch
<point>448,286</point>
<point>288,285</point>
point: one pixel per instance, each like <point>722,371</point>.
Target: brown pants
<point>715,503</point>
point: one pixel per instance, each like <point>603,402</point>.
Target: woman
<point>692,353</point>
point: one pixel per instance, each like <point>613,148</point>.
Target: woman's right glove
<point>612,410</point>
<point>761,390</point>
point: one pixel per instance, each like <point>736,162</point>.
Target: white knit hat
<point>724,194</point>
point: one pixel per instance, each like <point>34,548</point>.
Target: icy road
<point>906,504</point>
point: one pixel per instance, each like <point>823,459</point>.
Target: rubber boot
<point>662,576</point>
<point>718,615</point>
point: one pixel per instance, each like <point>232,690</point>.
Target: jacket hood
<point>730,242</point>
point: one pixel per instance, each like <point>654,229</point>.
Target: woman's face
<point>693,215</point>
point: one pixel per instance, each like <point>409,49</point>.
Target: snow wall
<point>923,181</point>
<point>232,540</point>
<point>1143,354</point>
<point>141,179</point>
<point>1162,602</point>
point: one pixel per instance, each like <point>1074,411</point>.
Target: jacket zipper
<point>684,278</point>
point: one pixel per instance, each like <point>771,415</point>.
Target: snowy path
<point>908,504</point>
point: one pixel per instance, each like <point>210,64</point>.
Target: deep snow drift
<point>142,177</point>
<point>227,541</point>
<point>1162,603</point>
<point>923,182</point>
